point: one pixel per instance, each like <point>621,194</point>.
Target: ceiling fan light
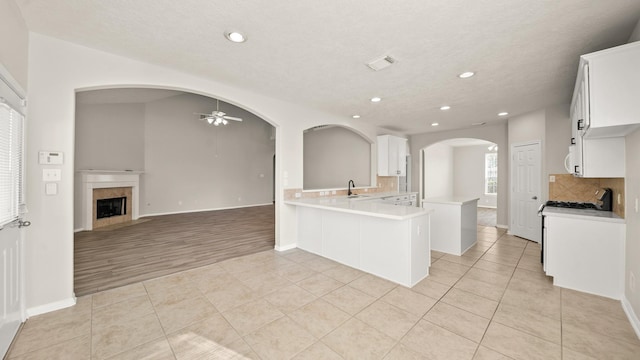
<point>210,121</point>
<point>224,122</point>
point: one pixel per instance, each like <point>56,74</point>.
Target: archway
<point>463,167</point>
<point>186,166</point>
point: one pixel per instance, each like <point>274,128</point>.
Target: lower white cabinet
<point>396,250</point>
<point>585,254</point>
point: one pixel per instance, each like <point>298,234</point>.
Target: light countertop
<point>589,214</point>
<point>452,200</point>
<point>363,206</point>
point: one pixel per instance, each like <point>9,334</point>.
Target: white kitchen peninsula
<point>388,241</point>
<point>454,223</point>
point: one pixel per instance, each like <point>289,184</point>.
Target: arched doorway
<point>187,167</point>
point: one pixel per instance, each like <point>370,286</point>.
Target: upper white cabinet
<point>607,91</point>
<point>604,109</point>
<point>392,155</point>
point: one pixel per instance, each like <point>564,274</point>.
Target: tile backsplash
<point>570,188</point>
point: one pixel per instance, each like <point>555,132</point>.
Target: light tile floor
<point>494,302</point>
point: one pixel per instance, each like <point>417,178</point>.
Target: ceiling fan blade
<point>232,118</point>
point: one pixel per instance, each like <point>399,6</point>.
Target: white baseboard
<point>202,210</point>
<point>78,230</point>
<point>502,226</point>
<point>51,307</point>
<point>285,248</point>
<point>633,318</point>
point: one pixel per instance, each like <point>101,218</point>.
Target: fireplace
<point>106,208</point>
<point>108,197</point>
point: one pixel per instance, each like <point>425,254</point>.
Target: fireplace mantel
<point>100,179</point>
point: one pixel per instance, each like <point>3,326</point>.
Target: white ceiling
<point>525,52</point>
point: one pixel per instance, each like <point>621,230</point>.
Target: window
<point>491,174</point>
<point>11,187</point>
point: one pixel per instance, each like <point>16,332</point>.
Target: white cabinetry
<point>585,254</point>
<point>611,86</point>
<point>603,110</point>
<point>392,155</point>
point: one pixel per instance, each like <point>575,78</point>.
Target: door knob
<point>534,198</point>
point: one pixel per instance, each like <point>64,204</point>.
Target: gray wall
<point>635,36</point>
<point>438,170</point>
<point>468,170</point>
<point>188,165</point>
<point>494,133</point>
<point>557,138</point>
<point>110,136</point>
<point>333,156</point>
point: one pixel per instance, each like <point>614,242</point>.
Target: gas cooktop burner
<point>571,205</point>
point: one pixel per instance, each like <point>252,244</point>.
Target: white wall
<point>632,218</point>
<point>109,137</point>
<point>57,69</point>
<point>468,174</point>
<point>438,170</point>
<point>496,134</point>
<point>333,156</point>
<point>14,38</point>
<point>190,165</point>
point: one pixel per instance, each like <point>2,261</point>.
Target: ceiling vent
<point>381,63</point>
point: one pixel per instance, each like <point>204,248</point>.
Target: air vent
<point>381,63</point>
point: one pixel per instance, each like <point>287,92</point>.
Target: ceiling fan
<point>217,117</point>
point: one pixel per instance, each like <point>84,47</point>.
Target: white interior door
<point>525,191</point>
<point>12,111</point>
<point>11,301</point>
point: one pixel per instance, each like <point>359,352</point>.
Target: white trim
<point>285,248</point>
<point>203,210</point>
<point>633,318</point>
<point>503,227</point>
<point>488,206</point>
<point>11,82</point>
<point>78,230</point>
<point>58,305</point>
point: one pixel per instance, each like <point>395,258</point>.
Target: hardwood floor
<point>168,244</point>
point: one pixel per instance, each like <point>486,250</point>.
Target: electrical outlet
<point>632,282</point>
<point>298,195</point>
<point>619,199</point>
<point>636,204</point>
<point>333,192</point>
<point>552,178</point>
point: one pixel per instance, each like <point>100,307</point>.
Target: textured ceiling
<point>311,52</point>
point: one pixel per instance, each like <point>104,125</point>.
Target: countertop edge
<point>586,216</point>
<point>448,200</point>
<point>421,212</point>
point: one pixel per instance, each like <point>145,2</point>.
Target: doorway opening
<point>205,193</point>
<point>466,168</point>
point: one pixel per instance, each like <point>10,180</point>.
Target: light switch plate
<point>552,178</point>
<point>51,189</point>
<point>51,174</point>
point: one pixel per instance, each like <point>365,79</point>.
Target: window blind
<point>11,147</point>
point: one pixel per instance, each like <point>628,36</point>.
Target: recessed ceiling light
<point>446,107</point>
<point>356,116</point>
<point>504,113</point>
<point>466,74</point>
<point>235,36</point>
<point>376,99</point>
<point>434,124</point>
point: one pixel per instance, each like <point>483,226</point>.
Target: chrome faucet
<point>349,193</point>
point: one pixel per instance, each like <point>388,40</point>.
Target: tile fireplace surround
<point>121,183</point>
